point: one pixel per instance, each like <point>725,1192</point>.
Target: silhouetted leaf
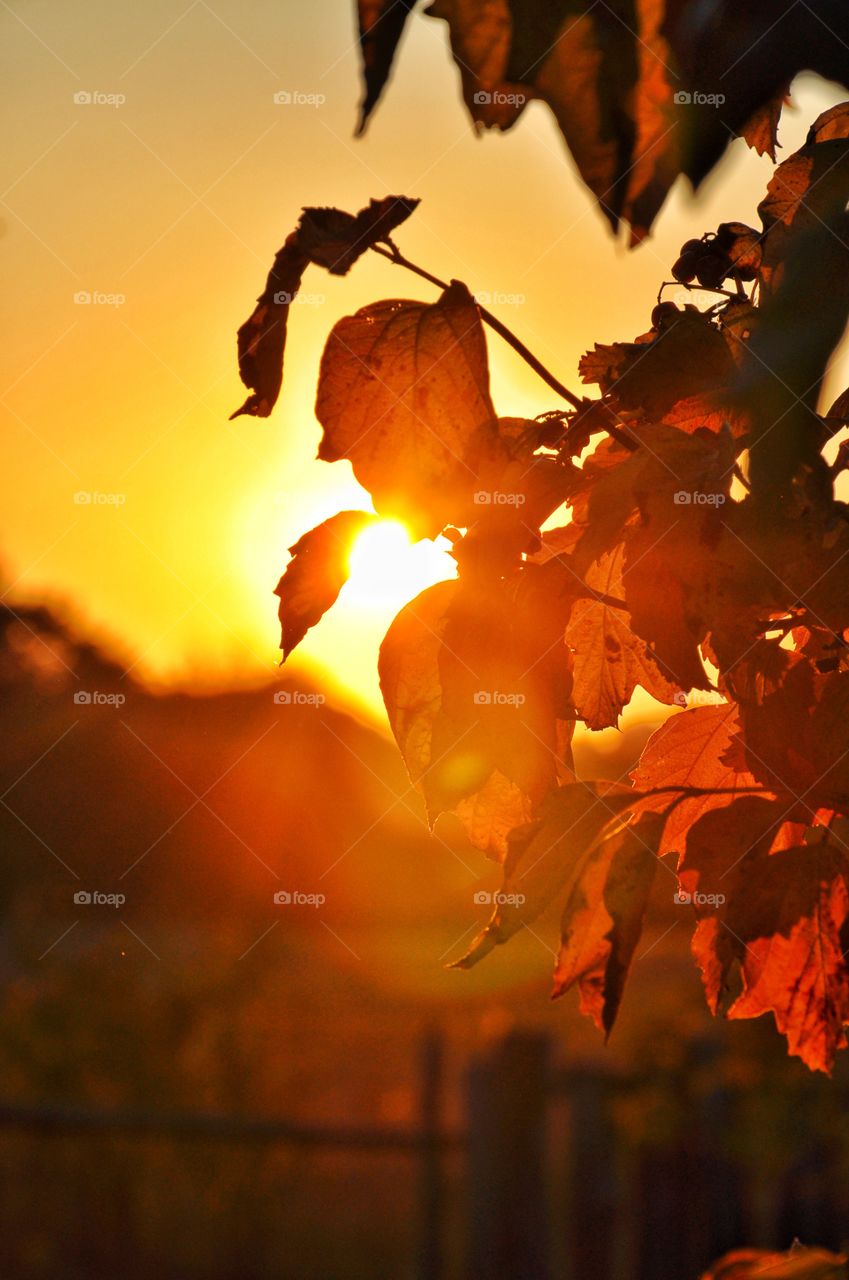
<point>381,25</point>
<point>403,393</point>
<point>316,574</point>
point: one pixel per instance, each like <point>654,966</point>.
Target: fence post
<point>595,1208</point>
<point>506,1166</point>
<point>430,1250</point>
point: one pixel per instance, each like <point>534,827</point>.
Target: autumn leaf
<point>688,356</point>
<point>316,574</point>
<point>262,338</point>
<point>695,749</point>
<point>476,686</point>
<point>334,239</point>
<point>789,930</point>
<point>798,1263</point>
<point>381,25</point>
<point>641,92</point>
<point>328,237</point>
<point>609,660</point>
<point>603,918</point>
<point>403,394</point>
<point>547,858</point>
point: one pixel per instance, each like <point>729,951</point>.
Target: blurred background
<point>197,1079</point>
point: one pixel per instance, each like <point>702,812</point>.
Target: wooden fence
<point>552,1190</point>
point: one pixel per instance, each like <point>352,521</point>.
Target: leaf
<point>381,25</point>
<point>316,574</point>
<point>687,358</point>
<point>332,239</point>
<point>810,765</point>
<point>547,858</point>
<point>789,930</point>
<point>761,129</point>
<point>806,190</point>
<point>476,685</point>
<point>262,338</point>
<point>609,660</point>
<point>603,919</point>
<point>694,749</point>
<point>798,1263</point>
<point>403,394</point>
<point>713,866</point>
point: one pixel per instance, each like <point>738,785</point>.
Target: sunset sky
<point>169,205</point>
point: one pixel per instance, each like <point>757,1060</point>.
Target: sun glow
<point>387,568</point>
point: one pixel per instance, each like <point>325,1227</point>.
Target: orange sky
<point>175,200</point>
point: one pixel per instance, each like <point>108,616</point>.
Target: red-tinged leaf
<point>811,764</point>
<point>316,574</point>
<point>609,660</point>
<point>713,866</point>
<point>687,357</point>
<point>548,857</point>
<point>603,918</point>
<point>694,749</point>
<point>404,395</point>
<point>789,925</point>
<point>807,190</point>
<point>262,338</point>
<point>761,129</point>
<point>381,25</point>
<point>476,685</point>
<point>797,1264</point>
<point>334,239</point>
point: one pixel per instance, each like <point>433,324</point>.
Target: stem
<point>394,255</point>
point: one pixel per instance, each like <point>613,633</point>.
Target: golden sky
<point>166,197</point>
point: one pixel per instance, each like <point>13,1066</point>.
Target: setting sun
<point>388,569</point>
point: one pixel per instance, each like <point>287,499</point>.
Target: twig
<point>394,255</point>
